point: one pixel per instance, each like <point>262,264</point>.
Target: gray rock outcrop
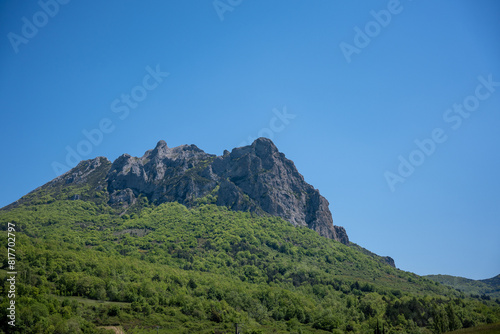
<point>255,178</point>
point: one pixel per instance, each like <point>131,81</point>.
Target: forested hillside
<point>485,289</point>
<point>81,265</point>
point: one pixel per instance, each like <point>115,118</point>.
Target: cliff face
<point>274,185</point>
<point>256,178</point>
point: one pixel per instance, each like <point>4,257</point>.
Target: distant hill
<point>180,241</point>
<point>487,288</point>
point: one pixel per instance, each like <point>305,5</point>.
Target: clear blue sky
<point>358,101</point>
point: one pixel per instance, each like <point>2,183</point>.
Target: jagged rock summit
<point>256,178</point>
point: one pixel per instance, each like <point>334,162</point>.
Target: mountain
<point>493,282</point>
<point>181,241</point>
<point>486,289</point>
<point>256,178</point>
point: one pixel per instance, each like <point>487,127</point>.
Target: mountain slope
<point>488,288</point>
<point>201,270</point>
<point>256,178</point>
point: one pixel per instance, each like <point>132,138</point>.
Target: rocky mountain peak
<point>161,143</point>
<point>182,152</point>
<point>257,178</point>
<point>160,150</point>
<point>264,146</point>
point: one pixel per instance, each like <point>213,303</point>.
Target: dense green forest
<point>171,269</point>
